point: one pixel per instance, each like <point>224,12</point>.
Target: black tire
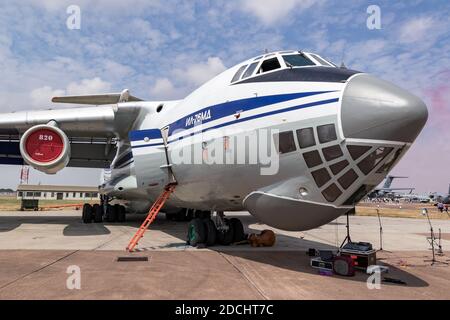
<point>184,215</point>
<point>98,213</point>
<point>225,238</point>
<point>170,216</point>
<point>87,213</point>
<point>196,232</point>
<point>211,232</point>
<point>202,214</point>
<point>111,213</point>
<point>180,215</point>
<point>121,216</point>
<point>189,214</point>
<point>115,212</point>
<point>238,229</point>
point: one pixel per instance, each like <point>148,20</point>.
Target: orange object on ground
<point>76,205</point>
<point>159,203</point>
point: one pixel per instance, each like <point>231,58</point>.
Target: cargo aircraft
<point>336,133</point>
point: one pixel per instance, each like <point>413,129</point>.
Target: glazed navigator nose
<point>376,109</point>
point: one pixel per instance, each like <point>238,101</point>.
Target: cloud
<point>198,73</point>
<point>271,11</point>
<point>163,89</point>
<point>41,97</point>
<point>88,86</point>
<point>417,29</point>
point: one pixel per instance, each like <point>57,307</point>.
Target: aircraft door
<point>150,158</point>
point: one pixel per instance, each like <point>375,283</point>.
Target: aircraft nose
<point>376,109</point>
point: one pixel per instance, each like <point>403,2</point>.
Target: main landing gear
<point>103,212</point>
<point>217,229</point>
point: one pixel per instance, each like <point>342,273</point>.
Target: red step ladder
<point>159,203</point>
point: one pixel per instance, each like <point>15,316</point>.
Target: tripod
<point>432,241</point>
<point>347,237</point>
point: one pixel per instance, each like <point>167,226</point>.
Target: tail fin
<point>388,182</point>
<point>389,179</point>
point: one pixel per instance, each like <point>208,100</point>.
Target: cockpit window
<point>238,73</point>
<point>297,60</point>
<point>321,60</point>
<point>250,70</point>
<point>269,64</point>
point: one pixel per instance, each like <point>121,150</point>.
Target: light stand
<point>432,240</point>
<point>381,230</point>
<point>347,237</point>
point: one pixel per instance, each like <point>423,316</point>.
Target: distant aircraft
<point>445,199</point>
<point>336,132</point>
<point>386,190</point>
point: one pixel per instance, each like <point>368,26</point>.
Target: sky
<point>165,49</point>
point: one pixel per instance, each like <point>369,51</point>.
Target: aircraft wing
<point>91,132</point>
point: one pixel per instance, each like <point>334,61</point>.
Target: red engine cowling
<point>46,148</point>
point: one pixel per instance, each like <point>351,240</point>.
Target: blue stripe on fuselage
<point>260,115</point>
<point>225,109</point>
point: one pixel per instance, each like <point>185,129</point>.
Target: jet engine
<point>46,148</point>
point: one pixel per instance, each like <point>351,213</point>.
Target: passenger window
<point>284,141</point>
<point>250,70</point>
<point>270,64</point>
<point>326,133</point>
<point>238,73</point>
<point>306,137</point>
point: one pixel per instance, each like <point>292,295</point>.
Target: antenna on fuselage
<point>343,66</point>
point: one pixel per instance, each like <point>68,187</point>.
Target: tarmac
<point>38,250</point>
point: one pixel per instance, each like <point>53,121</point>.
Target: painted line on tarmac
<point>252,283</point>
<point>39,269</point>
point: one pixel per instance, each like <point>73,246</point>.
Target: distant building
<point>48,192</point>
<point>7,192</point>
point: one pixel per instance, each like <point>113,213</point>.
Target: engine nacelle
<point>46,148</point>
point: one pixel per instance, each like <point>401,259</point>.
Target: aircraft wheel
<point>180,215</point>
<point>170,216</point>
<point>196,232</point>
<point>202,214</point>
<point>226,237</point>
<point>188,214</point>
<point>98,213</point>
<point>238,228</point>
<point>87,213</point>
<point>121,216</point>
<point>211,232</point>
<point>111,213</point>
<point>115,212</point>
